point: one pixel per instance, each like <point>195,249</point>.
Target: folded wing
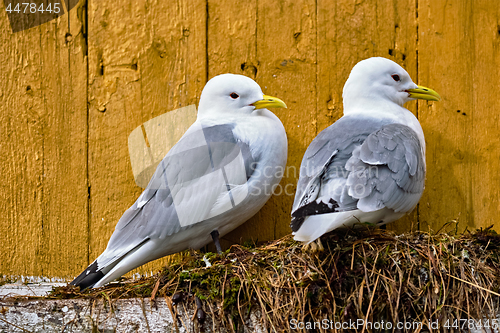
<point>205,174</point>
<point>360,165</point>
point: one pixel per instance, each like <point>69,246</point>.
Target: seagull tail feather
<point>102,271</point>
<point>88,278</point>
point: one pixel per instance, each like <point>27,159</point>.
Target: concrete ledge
<point>19,314</point>
<point>128,315</point>
<point>28,289</point>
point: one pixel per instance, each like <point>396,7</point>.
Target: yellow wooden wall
<point>73,89</point>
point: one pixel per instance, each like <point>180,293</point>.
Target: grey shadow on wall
<point>25,14</point>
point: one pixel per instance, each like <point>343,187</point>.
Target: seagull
<point>369,166</point>
<point>220,173</point>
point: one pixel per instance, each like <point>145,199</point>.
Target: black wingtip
<point>313,208</point>
<point>88,278</point>
<point>296,223</point>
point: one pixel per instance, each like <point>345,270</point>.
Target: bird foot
<point>314,247</point>
<point>215,238</point>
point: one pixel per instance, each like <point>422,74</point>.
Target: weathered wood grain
<point>486,115</point>
<point>22,117</point>
<point>65,190</point>
<point>43,137</point>
<point>459,56</point>
<point>232,38</point>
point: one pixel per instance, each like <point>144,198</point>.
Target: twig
<point>144,313</point>
<point>155,289</point>
<point>8,323</point>
<point>474,285</point>
<point>370,305</point>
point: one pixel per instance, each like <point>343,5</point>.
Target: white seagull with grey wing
<point>220,173</point>
<point>369,166</point>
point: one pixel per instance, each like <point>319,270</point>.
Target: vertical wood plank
<point>458,56</point>
<point>232,41</point>
<point>65,190</point>
<point>21,138</point>
<point>145,58</point>
<point>486,115</point>
<point>443,34</point>
<point>349,32</point>
<point>43,138</point>
<point>286,53</point>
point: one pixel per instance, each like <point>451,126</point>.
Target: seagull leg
<point>320,245</point>
<point>215,237</point>
<point>313,247</point>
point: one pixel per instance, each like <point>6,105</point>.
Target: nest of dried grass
<point>373,275</point>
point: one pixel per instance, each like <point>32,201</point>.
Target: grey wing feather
<point>324,161</point>
<point>184,175</point>
<point>329,152</point>
<point>388,170</point>
<point>377,165</point>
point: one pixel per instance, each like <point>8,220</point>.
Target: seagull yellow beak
<point>269,102</point>
<point>424,93</point>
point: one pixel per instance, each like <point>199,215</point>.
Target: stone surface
<point>19,314</point>
<point>82,315</point>
<point>28,289</point>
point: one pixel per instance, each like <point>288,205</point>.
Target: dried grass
<point>373,275</point>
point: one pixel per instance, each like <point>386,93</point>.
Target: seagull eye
<point>234,95</point>
<point>396,77</point>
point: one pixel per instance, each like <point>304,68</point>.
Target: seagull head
<point>379,79</point>
<point>234,94</point>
